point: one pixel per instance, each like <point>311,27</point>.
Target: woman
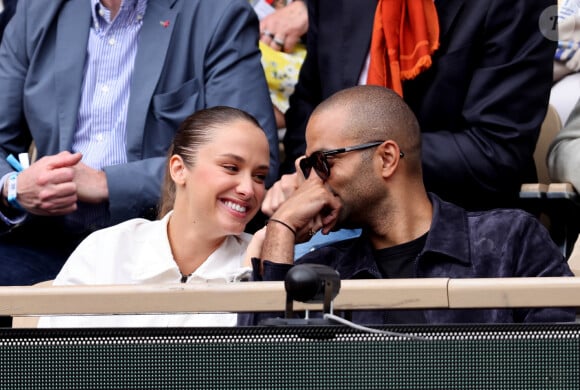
<point>214,186</point>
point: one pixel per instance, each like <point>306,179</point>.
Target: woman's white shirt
<point>138,252</point>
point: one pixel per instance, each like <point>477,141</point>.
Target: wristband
<point>12,193</point>
<point>283,223</point>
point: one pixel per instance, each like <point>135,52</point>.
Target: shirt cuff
<point>10,217</point>
<point>270,271</point>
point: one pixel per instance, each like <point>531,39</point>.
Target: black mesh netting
<point>317,357</point>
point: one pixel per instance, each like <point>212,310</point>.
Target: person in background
<point>363,169</point>
<point>565,91</point>
<point>563,160</point>
<point>479,89</point>
<point>200,234</point>
<point>564,152</point>
<point>468,85</point>
<point>282,27</point>
<point>6,11</point>
<point>102,121</point>
<point>283,24</point>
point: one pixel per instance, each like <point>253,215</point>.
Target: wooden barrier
<point>270,296</point>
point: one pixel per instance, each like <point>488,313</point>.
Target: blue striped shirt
<point>100,133</point>
<point>102,119</point>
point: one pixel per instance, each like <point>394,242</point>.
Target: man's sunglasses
<point>318,160</point>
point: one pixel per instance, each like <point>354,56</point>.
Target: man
<point>364,171</point>
<point>564,166</point>
<point>100,87</point>
<point>564,153</point>
<point>480,104</point>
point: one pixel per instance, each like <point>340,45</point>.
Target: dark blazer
<point>206,56</point>
<point>480,105</point>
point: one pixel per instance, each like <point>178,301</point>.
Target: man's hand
<point>285,25</point>
<point>47,187</point>
<point>310,208</point>
<point>91,184</point>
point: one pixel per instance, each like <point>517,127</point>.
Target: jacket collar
<point>449,233</point>
<point>72,36</point>
<point>448,236</point>
<point>157,30</point>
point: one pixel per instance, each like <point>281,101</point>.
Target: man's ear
<point>390,154</point>
<point>177,169</point>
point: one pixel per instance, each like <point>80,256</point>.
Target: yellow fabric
<point>281,71</point>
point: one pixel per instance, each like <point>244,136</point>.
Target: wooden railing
<point>271,296</point>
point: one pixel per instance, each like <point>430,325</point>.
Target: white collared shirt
<point>138,252</point>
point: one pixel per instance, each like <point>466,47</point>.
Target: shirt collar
<point>101,14</point>
<point>223,265</point>
<point>157,243</point>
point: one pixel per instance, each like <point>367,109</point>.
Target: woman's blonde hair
<point>193,133</point>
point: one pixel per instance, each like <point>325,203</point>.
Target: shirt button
<point>139,17</point>
<point>112,41</point>
<point>104,89</point>
<point>99,137</point>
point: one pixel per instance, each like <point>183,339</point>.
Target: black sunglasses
<point>318,160</point>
